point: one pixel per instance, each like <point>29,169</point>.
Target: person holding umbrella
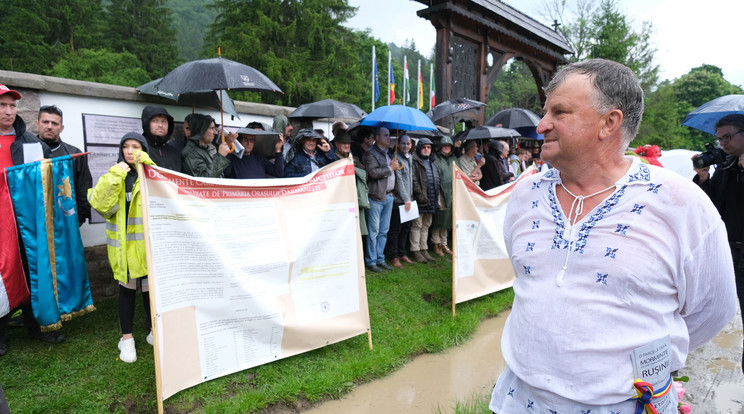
<point>200,156</point>
<point>309,154</point>
<point>726,189</point>
<point>397,240</point>
<point>252,164</point>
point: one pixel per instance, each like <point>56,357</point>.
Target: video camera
<point>712,155</point>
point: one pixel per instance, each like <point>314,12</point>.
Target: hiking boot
<point>385,266</point>
<point>149,338</point>
<point>396,263</point>
<point>128,353</point>
<point>417,256</point>
<point>438,250</point>
<point>405,259</point>
<point>17,319</point>
<point>446,250</point>
<point>427,256</point>
<point>374,269</point>
<point>52,337</point>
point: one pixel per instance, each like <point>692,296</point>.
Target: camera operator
<point>726,189</point>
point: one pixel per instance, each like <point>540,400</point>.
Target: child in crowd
<point>116,197</point>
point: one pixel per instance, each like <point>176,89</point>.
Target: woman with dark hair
<point>426,187</point>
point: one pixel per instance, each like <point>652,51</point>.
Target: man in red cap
<point>14,142</point>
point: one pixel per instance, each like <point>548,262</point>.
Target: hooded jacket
<point>198,160</point>
<point>23,137</point>
<point>125,237</point>
<point>163,152</point>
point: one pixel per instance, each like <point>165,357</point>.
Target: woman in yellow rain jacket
<point>116,197</point>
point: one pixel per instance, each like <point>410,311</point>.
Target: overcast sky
<point>687,33</point>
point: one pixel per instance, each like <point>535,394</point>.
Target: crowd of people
<point>615,256</point>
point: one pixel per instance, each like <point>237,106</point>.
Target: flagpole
<point>390,75</point>
<point>374,66</point>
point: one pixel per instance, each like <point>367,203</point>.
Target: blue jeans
<point>378,224</point>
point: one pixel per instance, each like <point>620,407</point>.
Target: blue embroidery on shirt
<point>552,411</point>
<point>511,392</point>
<point>530,247</point>
<point>535,224</point>
<point>526,270</point>
<point>530,403</point>
<point>643,174</point>
<point>560,226</point>
<point>534,204</point>
<point>550,173</point>
<point>638,209</point>
<point>586,411</point>
<point>622,229</point>
<point>602,278</point>
<point>654,188</point>
<point>535,186</point>
<point>587,227</point>
<point>610,252</point>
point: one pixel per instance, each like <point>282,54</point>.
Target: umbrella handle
<point>395,151</point>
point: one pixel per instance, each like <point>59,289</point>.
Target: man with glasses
<point>726,189</point>
<point>253,164</point>
<point>49,126</point>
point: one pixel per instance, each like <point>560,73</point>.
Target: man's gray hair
<point>615,87</point>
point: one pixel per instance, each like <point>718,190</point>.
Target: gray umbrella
<point>514,118</point>
<point>208,98</point>
<point>487,132</point>
<point>453,106</point>
<point>328,108</point>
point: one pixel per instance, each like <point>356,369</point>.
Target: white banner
<point>245,272</point>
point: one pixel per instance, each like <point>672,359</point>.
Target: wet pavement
<point>434,381</point>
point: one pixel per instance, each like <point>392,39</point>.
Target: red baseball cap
<point>4,89</point>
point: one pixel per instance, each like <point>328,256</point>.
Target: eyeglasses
<point>247,139</point>
<point>727,137</point>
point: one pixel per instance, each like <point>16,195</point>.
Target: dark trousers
<point>398,234</point>
<point>738,255</point>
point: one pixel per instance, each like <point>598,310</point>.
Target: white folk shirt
<point>650,260</point>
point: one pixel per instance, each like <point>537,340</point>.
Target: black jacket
<point>23,137</point>
<point>726,189</point>
<point>163,151</point>
<point>82,178</point>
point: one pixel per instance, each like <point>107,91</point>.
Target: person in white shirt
<point>612,258</point>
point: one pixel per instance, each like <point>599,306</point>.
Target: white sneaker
<point>128,353</point>
<point>149,338</point>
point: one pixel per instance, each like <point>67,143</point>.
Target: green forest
<point>304,47</point>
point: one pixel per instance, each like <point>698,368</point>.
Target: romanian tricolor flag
<point>391,82</point>
<point>13,288</point>
<point>432,89</point>
<point>43,194</point>
<point>420,88</point>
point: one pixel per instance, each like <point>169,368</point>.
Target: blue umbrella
<point>705,116</point>
<point>399,117</point>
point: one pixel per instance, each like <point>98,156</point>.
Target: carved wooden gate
<point>475,38</point>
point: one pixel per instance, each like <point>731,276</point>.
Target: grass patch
<point>410,313</point>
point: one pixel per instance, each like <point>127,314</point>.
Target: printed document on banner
<point>489,241</point>
<point>651,363</point>
<point>324,275</point>
<point>465,231</point>
<point>231,281</point>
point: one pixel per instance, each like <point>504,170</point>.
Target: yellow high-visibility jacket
<point>125,235</point>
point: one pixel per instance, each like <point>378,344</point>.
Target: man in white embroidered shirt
<point>622,268</point>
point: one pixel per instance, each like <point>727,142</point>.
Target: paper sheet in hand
<point>409,215</point>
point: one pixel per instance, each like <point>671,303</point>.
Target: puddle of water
<point>728,339</point>
<point>432,380</point>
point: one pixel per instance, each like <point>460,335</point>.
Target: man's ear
<point>611,123</point>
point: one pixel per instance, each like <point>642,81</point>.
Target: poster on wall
<point>246,272</point>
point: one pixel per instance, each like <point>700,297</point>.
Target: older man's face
<point>8,111</point>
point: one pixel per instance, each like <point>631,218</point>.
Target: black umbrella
<point>514,118</point>
<point>328,108</point>
<point>208,98</point>
<point>215,74</point>
<point>486,132</point>
<point>265,140</point>
<point>453,106</point>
